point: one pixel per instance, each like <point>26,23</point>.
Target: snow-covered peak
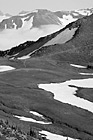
<point>75,13</point>
<point>84,12</point>
<point>67,19</point>
<point>42,17</point>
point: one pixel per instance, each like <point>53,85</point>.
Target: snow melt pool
<point>63,92</point>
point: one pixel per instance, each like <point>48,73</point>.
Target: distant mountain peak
<point>23,12</point>
<point>31,25</point>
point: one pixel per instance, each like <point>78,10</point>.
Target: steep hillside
<point>75,41</point>
<point>79,47</point>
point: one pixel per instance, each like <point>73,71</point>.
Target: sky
<point>15,6</point>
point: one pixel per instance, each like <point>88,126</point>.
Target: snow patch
<point>6,68</point>
<point>23,57</point>
<point>86,73</point>
<point>52,136</point>
<point>63,92</point>
<point>37,114</point>
<point>5,26</point>
<point>23,21</point>
<point>84,12</point>
<point>75,14</point>
<point>67,19</point>
<point>30,120</point>
<point>78,66</point>
<point>34,11</point>
<point>15,26</point>
<point>27,25</point>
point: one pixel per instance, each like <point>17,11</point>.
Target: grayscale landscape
<point>46,75</point>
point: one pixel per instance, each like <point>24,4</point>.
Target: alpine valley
<point>46,75</point>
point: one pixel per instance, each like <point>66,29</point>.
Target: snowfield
<point>63,92</point>
<point>27,24</point>
<point>52,136</point>
<point>24,57</point>
<point>86,73</point>
<point>67,19</point>
<point>83,12</point>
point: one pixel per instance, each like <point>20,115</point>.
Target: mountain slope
<point>31,25</point>
<point>79,47</point>
<point>30,47</point>
<point>75,39</point>
<point>50,60</point>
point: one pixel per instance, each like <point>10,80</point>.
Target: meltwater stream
<point>63,92</point>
